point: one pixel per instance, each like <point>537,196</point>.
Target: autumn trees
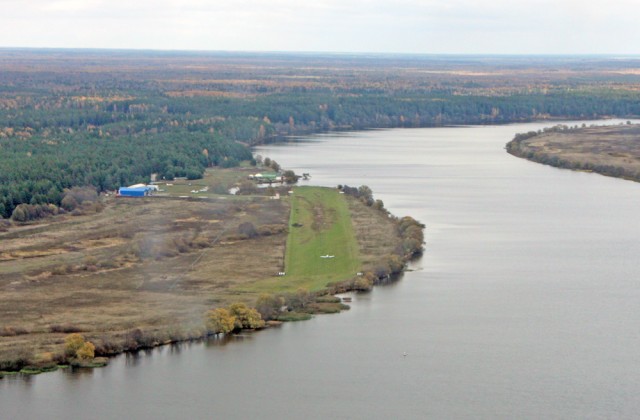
<point>236,316</point>
<point>245,317</point>
<point>75,347</point>
<point>220,321</point>
<point>239,316</point>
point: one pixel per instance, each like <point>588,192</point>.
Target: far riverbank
<point>608,150</point>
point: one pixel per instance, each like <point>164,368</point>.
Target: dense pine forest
<point>105,119</point>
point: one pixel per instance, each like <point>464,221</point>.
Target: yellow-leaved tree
<point>219,321</point>
<point>246,317</point>
<point>87,351</point>
<point>72,343</point>
<point>76,346</point>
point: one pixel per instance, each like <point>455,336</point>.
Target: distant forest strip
<point>607,150</point>
<point>106,119</point>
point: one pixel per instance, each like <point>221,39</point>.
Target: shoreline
<point>287,138</point>
<point>104,359</point>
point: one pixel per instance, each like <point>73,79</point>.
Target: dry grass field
<point>611,150</point>
<point>155,264</point>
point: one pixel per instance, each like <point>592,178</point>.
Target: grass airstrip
<point>321,246</point>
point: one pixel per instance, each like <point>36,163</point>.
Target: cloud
<point>455,26</point>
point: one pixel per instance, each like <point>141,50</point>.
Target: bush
<point>395,263</point>
<point>326,308</point>
<point>411,246</point>
<point>61,270</point>
<point>201,242</point>
<point>274,165</point>
<point>110,264</point>
<point>294,316</point>
<point>23,357</point>
<point>299,299</point>
<point>290,177</point>
<point>378,205</point>
<point>82,194</point>
<point>12,331</point>
<point>73,343</point>
<point>107,346</point>
<point>382,271</point>
<point>269,306</point>
<point>247,187</point>
<point>28,212</point>
<point>181,245</point>
<point>137,338</point>
<point>90,260</point>
<point>268,230</point>
<point>328,299</point>
<point>4,224</point>
<point>69,203</point>
<point>363,283</point>
<point>412,233</point>
<point>248,230</point>
<point>64,328</point>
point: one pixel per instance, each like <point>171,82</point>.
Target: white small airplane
<point>327,256</point>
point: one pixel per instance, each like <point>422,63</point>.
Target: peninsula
<point>125,273</point>
<point>607,150</point>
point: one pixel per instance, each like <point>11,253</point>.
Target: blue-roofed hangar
<point>134,191</point>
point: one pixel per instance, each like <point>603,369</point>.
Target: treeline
<point>256,119</point>
<point>293,112</point>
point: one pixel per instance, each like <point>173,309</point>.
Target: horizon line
<point>311,53</point>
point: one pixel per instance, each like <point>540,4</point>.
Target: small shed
<point>266,178</point>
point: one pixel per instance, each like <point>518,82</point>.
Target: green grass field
<point>320,225</point>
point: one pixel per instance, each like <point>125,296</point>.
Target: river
<point>525,304</point>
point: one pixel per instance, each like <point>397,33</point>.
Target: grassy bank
<point>608,150</point>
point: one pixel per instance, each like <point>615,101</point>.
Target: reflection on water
<point>223,340</point>
<point>77,373</point>
<point>133,359</point>
<point>524,305</point>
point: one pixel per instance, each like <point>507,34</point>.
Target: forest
<point>71,118</point>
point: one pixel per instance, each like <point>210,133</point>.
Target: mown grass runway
<point>321,245</point>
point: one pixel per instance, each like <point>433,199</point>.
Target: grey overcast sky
<point>403,26</point>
